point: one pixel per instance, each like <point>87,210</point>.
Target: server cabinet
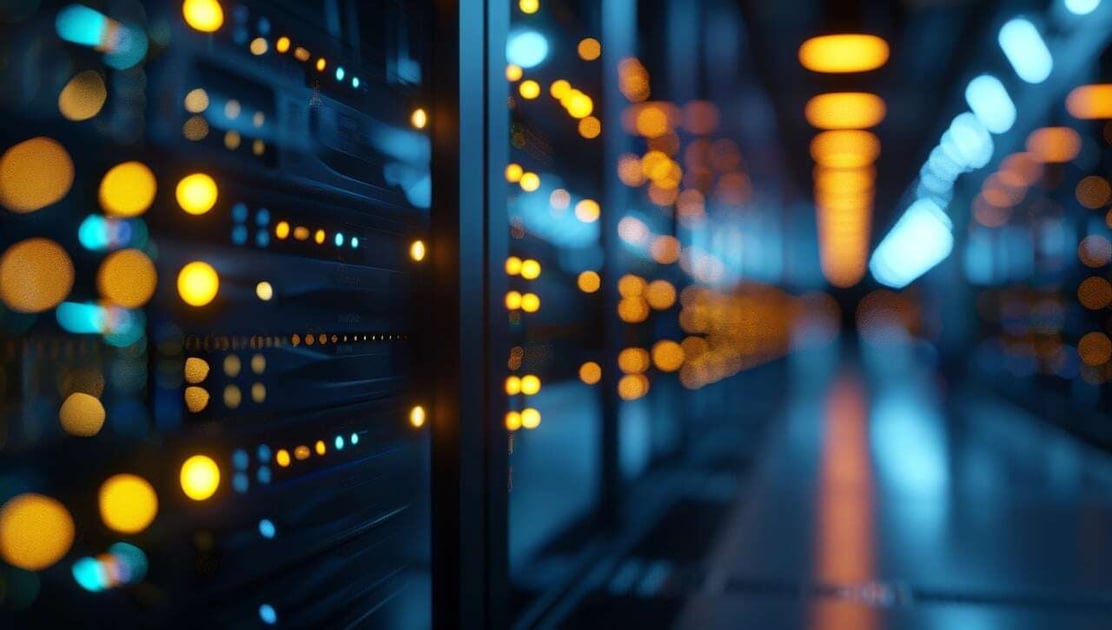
<point>212,226</point>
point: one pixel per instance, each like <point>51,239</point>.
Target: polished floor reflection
<point>883,500</point>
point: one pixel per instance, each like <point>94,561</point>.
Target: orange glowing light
<point>589,281</point>
<point>845,110</point>
<point>1090,102</point>
<point>845,148</point>
<point>1054,144</point>
<point>589,49</point>
<point>843,53</point>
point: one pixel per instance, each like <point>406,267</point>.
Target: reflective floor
<point>880,497</point>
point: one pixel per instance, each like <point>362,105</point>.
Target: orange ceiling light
<point>1020,169</point>
<point>845,110</point>
<point>845,148</point>
<point>840,54</point>
<point>1054,144</point>
<point>844,180</point>
<point>1091,102</point>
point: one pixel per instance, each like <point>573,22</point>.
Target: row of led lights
<point>577,104</point>
<point>922,237</point>
<point>207,16</point>
<point>528,49</point>
<point>586,210</point>
<point>127,190</point>
<point>529,384</point>
<point>844,152</point>
<point>37,531</point>
<point>196,127</point>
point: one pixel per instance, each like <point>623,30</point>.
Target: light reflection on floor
<point>886,499</point>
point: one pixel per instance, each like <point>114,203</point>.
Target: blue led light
<point>93,233</point>
<point>267,529</point>
<point>124,328</point>
<point>240,482</point>
<point>81,25</point>
<point>989,100</point>
<point>86,572</point>
<point>527,49</point>
<point>339,239</point>
<point>268,614</point>
<point>131,561</point>
<point>239,234</point>
<point>968,141</point>
<point>262,238</point>
<point>240,459</point>
<point>264,26</point>
<point>239,212</point>
<point>123,45</point>
<point>355,82</point>
<point>1026,50</point>
<point>354,242</point>
<point>80,319</point>
<point>339,442</point>
<point>240,35</point>
<point>920,240</point>
<point>354,439</point>
<point>1082,7</point>
<point>263,475</point>
<point>262,219</point>
<point>263,453</point>
<point>339,73</point>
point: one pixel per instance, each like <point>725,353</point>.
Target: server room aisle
<point>883,501</point>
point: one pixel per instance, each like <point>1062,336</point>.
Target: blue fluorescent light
<point>968,141</point>
<point>123,45</point>
<point>81,25</point>
<point>920,240</point>
<point>989,100</point>
<point>942,165</point>
<point>268,615</point>
<point>527,49</point>
<point>267,529</point>
<point>81,318</point>
<point>86,572</point>
<point>1082,7</point>
<point>1026,50</point>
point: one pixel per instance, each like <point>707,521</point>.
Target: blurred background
<point>556,313</point>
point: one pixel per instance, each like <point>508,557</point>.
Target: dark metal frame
<point>466,343</point>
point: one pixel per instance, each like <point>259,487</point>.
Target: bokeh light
<point>197,193</point>
<point>206,16</point>
<point>845,110</point>
<point>36,531</point>
<point>128,503</point>
<point>589,49</point>
<point>35,275</point>
<point>81,415</point>
<point>198,283</point>
<point>34,174</point>
<point>127,190</point>
<point>83,96</point>
<point>200,477</point>
<point>589,281</point>
<point>590,373</point>
<point>843,53</point>
<point>417,416</point>
<point>128,278</point>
